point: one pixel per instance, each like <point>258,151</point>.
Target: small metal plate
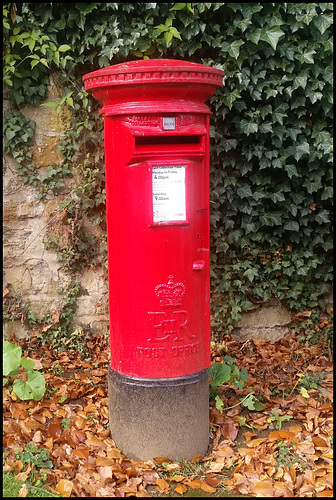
<point>169,122</point>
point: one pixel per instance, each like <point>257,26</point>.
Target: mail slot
<point>156,134</point>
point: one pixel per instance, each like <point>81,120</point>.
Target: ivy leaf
<point>244,191</point>
<point>175,33</point>
<point>266,127</point>
<point>291,170</point>
<point>219,404</point>
<point>272,35</point>
<point>254,37</point>
<point>328,193</point>
<point>248,127</point>
<point>223,375</point>
<point>292,226</point>
<point>300,81</point>
<point>277,197</point>
<point>234,48</point>
<point>329,75</point>
<point>34,63</point>
<point>308,56</point>
<point>10,134</point>
<point>86,8</point>
<point>271,219</point>
<point>301,150</point>
<point>178,6</point>
<point>169,22</point>
<point>161,27</point>
<point>252,403</point>
<point>50,104</point>
<point>323,22</point>
<point>168,37</point>
<point>64,48</point>
<point>312,185</point>
<point>322,217</point>
<point>251,274</point>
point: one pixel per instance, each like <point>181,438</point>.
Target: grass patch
<point>11,487</point>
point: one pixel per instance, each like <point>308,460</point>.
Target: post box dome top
<point>152,80</point>
<point>153,70</point>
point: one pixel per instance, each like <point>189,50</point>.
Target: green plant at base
<point>252,403</point>
<point>227,372</point>
<point>65,423</point>
<point>286,456</point>
<point>34,387</point>
<point>38,460</point>
<point>310,381</point>
<point>57,369</point>
<point>312,332</point>
<point>11,488</point>
<point>32,455</point>
<point>242,423</point>
<point>61,334</point>
<point>275,417</point>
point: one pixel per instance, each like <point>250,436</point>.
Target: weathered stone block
<point>49,129</point>
<point>269,321</point>
<point>10,210</point>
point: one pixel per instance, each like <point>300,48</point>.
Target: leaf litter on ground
<point>248,455</point>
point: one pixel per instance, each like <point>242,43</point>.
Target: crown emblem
<point>170,294</point>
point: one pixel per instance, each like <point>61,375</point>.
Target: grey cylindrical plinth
<point>159,417</point>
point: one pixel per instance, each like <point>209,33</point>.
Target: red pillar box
<point>157,207</point>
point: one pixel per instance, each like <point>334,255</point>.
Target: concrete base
<point>152,418</point>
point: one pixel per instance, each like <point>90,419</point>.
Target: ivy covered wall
<point>271,134</point>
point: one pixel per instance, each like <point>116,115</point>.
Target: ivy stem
<point>237,404</point>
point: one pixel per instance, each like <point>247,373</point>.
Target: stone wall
<point>32,275</point>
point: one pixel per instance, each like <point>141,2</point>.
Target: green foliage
<point>272,161</point>
<point>65,423</point>
<point>61,334</point>
<point>18,142</point>
<point>11,488</point>
<point>227,372</point>
<point>310,381</point>
<point>316,328</point>
<point>252,403</point>
<point>271,130</point>
<point>32,455</point>
<point>28,54</point>
<point>278,419</point>
<point>85,160</point>
<point>34,386</point>
<point>242,422</point>
<point>285,455</point>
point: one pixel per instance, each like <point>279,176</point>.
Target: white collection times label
<point>169,193</point>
